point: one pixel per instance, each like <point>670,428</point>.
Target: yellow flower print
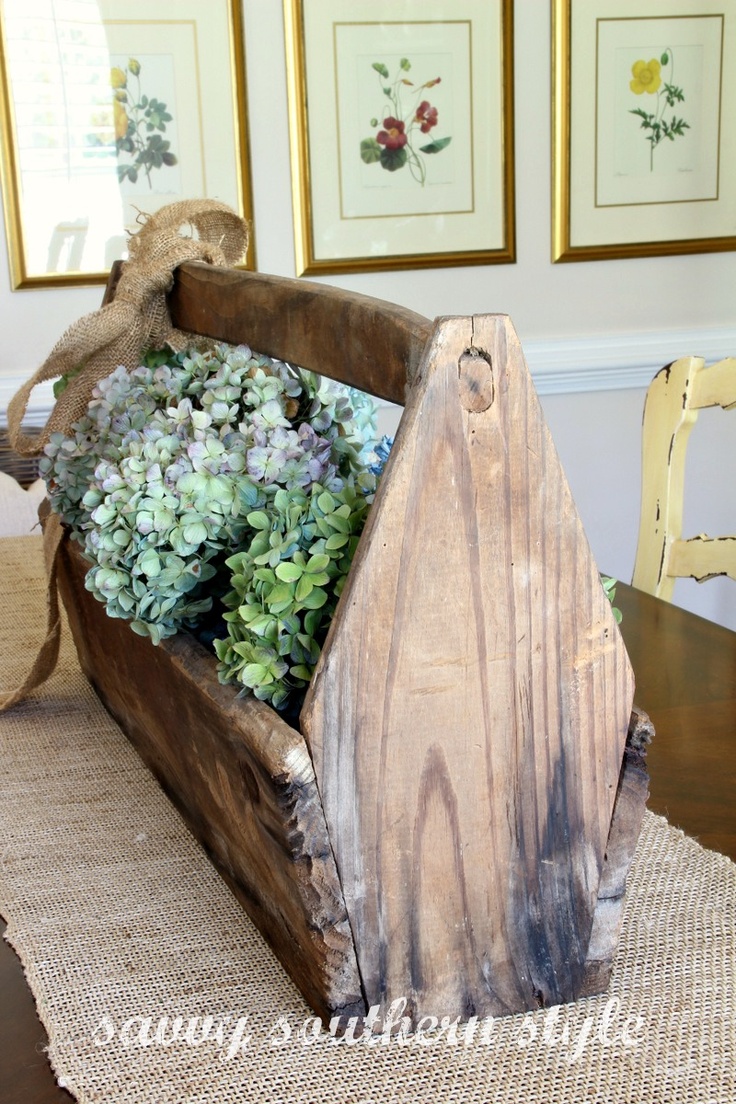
<point>139,123</point>
<point>658,124</point>
<point>647,77</point>
<point>121,119</point>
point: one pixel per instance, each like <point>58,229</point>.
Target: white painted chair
<point>675,396</point>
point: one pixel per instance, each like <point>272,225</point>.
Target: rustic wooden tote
<point>453,824</point>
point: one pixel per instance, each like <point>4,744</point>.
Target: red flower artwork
<point>393,137</point>
<point>426,116</point>
<point>395,146</point>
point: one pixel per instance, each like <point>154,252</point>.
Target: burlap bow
<point>137,319</point>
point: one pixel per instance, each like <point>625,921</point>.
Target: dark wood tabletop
<point>685,671</point>
<point>686,681</point>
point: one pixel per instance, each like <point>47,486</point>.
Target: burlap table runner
<point>123,926</point>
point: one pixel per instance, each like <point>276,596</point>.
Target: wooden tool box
<point>453,821</point>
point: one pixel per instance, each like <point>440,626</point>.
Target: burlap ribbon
<point>137,319</point>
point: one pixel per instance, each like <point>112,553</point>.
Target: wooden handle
<point>361,341</point>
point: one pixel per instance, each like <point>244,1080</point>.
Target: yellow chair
<point>675,396</point>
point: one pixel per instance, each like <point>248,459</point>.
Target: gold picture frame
<point>434,188</point>
<point>644,141</point>
<point>108,110</point>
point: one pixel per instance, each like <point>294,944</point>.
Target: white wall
<point>584,326</point>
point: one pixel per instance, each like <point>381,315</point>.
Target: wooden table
<point>686,680</point>
<point>685,671</point>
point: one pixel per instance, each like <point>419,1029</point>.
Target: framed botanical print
<point>110,108</point>
<point>402,133</point>
<point>644,128</point>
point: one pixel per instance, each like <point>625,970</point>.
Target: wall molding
<point>620,361</point>
<point>560,366</point>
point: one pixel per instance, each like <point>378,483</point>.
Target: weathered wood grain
<point>468,717</point>
<point>367,343</point>
<point>628,813</point>
<point>242,779</point>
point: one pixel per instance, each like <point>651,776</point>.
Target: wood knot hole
<point>475,380</point>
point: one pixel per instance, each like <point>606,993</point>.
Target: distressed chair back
<point>675,396</point>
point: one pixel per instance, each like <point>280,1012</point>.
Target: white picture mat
<point>75,217</point>
<point>643,221</point>
<point>435,49</point>
<point>682,169</point>
<point>374,235</point>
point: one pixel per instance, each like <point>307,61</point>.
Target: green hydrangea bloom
<point>197,466</point>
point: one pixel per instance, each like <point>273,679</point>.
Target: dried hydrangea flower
<point>193,460</point>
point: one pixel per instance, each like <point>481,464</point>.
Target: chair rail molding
<point>568,365</point>
<point>619,361</point>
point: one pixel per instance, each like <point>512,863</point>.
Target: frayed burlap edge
<point>137,319</point>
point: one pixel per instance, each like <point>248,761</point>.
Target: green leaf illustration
<point>674,95</point>
<point>370,151</point>
<point>436,146</point>
<point>393,159</point>
<point>381,68</point>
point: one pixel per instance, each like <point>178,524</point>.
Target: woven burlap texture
<point>137,318</point>
<point>118,916</point>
